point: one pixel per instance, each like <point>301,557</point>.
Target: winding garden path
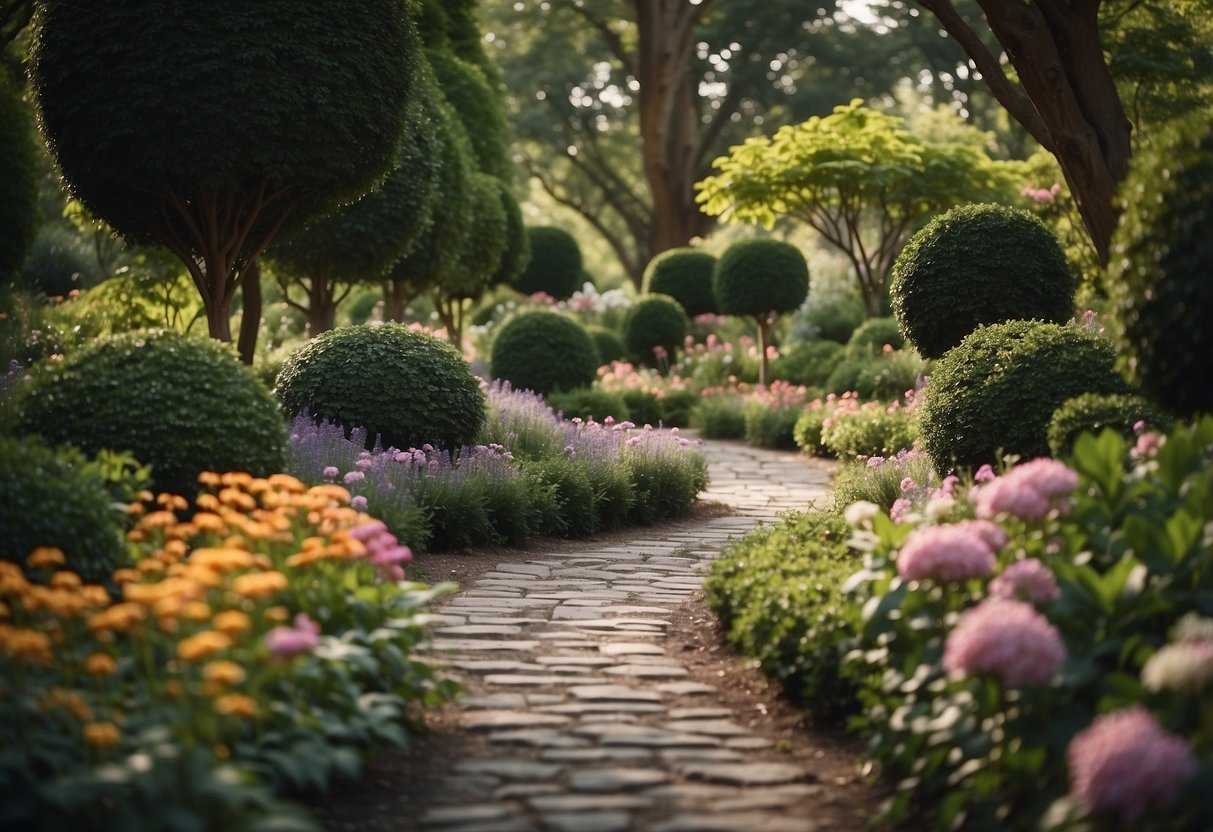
<point>587,723</point>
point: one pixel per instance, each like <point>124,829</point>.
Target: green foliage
<point>482,248</point>
<point>807,430</point>
<point>677,405</point>
<point>1093,412</point>
<point>807,362</point>
<point>607,343</point>
<point>589,403</point>
<point>516,253</point>
<point>575,512</point>
<point>404,387</point>
<point>654,321</point>
<point>555,266</point>
<point>760,277</point>
<point>480,108</point>
<point>870,337</point>
<point>871,431</point>
<point>884,482</point>
<point>644,408</point>
<point>975,265</point>
<point>526,344</point>
<point>771,425</point>
<point>181,404</point>
<point>995,393</point>
<point>828,315</point>
<point>1161,253</point>
<point>18,179</point>
<point>685,274</point>
<point>720,416</point>
<point>55,498</point>
<point>666,477</point>
<point>778,592</point>
<point>57,263</point>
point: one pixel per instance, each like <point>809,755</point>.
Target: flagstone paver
<point>591,724</point>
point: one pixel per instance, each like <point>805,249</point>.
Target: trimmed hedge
<point>544,351</point>
<point>1094,413</point>
<point>685,274</point>
<point>755,277</point>
<point>654,321</point>
<point>555,266</point>
<point>607,343</point>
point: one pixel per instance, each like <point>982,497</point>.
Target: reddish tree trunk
<point>250,316</point>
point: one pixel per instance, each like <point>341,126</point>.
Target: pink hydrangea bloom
<point>984,474</point>
<point>285,642</point>
<point>1011,496</point>
<point>1048,476</point>
<point>900,508</point>
<point>993,534</point>
<point>1026,580</point>
<point>945,553</point>
<point>1007,638</point>
<point>1126,764</point>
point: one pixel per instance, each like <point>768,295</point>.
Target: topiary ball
<point>608,344</point>
<point>685,274</point>
<point>406,388</point>
<point>996,392</point>
<point>975,265</point>
<point>181,404</point>
<point>654,321</point>
<point>544,351</point>
<point>870,337</point>
<point>1092,413</point>
<point>555,265</point>
<point>47,499</point>
<point>757,277</point>
<point>1162,256</point>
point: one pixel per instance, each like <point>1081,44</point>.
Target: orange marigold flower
<point>94,595</point>
<point>5,612</point>
<point>234,541</point>
<point>209,478</point>
<point>125,576</point>
<point>12,579</point>
<point>66,580</point>
<point>206,643</point>
<point>232,622</point>
<point>237,479</point>
<point>150,565</point>
<point>146,496</point>
<point>101,734</point>
<point>208,521</point>
<point>118,618</point>
<point>330,491</point>
<point>136,535</point>
<point>176,549</point>
<point>259,585</point>
<point>238,499</point>
<point>207,502</point>
<point>236,704</point>
<point>222,560</point>
<point>276,614</point>
<point>287,483</point>
<point>46,556</point>
<point>101,664</point>
<point>158,520</point>
<point>223,672</point>
<point>172,501</point>
<point>25,645</point>
<point>182,531</point>
<point>263,562</point>
<point>195,611</point>
<point>135,509</point>
<point>258,485</point>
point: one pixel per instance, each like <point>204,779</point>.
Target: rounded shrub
<point>607,343</point>
<point>544,351</point>
<point>757,277</point>
<point>870,337</point>
<point>807,362</point>
<point>1093,413</point>
<point>995,393</point>
<point>181,404</point>
<point>685,274</point>
<point>1162,255</point>
<point>555,265</point>
<point>48,498</point>
<point>654,321</point>
<point>975,265</point>
<point>869,432</point>
<point>405,388</point>
<point>807,431</point>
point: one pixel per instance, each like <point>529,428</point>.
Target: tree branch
<point>609,35</point>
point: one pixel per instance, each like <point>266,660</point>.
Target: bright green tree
<point>859,179</point>
<point>210,127</point>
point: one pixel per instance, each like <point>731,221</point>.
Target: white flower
<point>939,508</point>
<point>1185,667</point>
<point>1193,627</point>
<point>860,513</point>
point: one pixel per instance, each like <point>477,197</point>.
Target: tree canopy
<point>18,178</point>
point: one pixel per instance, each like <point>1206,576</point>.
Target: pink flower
<point>1125,763</point>
<point>907,484</point>
<point>1048,476</point>
<point>1148,444</point>
<point>945,553</point>
<point>331,472</point>
<point>992,533</point>
<point>366,531</point>
<point>353,477</point>
<point>1011,496</point>
<point>984,474</point>
<point>358,503</point>
<point>1028,580</point>
<point>900,508</point>
<point>1007,638</point>
<point>285,642</point>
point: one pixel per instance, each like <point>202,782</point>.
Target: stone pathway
<point>591,726</point>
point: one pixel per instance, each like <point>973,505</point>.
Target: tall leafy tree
<point>209,127</point>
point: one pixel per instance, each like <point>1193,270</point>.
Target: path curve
<point>590,725</point>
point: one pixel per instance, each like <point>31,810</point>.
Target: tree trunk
<point>250,315</point>
<point>320,307</point>
<point>764,337</point>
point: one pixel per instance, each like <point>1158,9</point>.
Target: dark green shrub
<point>808,362</point>
<point>611,483</point>
<point>869,431</point>
<point>778,592</point>
<point>1160,266</point>
<point>54,498</point>
<point>57,263</point>
<point>974,265</point>
<point>555,264</point>
<point>654,321</point>
<point>829,315</point>
<point>544,351</point>
<point>404,387</point>
<point>848,374</point>
<point>883,377</point>
<point>719,417</point>
<point>685,274</point>
<point>677,407</point>
<point>870,337</point>
<point>644,407</point>
<point>996,392</point>
<point>181,404</point>
<point>18,178</point>
<point>574,508</point>
<point>608,344</point>
<point>771,425</point>
<point>1093,413</point>
<point>589,403</point>
<point>807,431</point>
<point>665,480</point>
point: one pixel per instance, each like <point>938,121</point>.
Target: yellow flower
<point>101,734</point>
<point>206,643</point>
<point>46,556</point>
<point>223,673</point>
<point>232,622</point>
<point>236,704</point>
<point>101,664</point>
<point>259,585</point>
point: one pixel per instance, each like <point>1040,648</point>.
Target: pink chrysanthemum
<point>1126,764</point>
<point>945,553</point>
<point>1007,638</point>
<point>1026,580</point>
